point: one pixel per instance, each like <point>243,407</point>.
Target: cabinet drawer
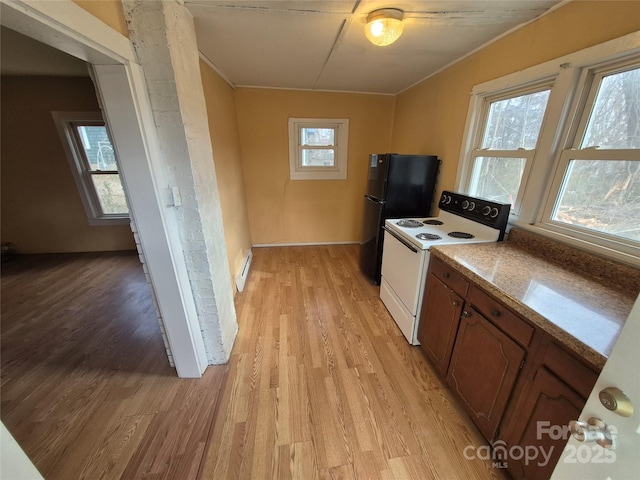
<point>569,369</point>
<point>502,317</point>
<point>449,277</point>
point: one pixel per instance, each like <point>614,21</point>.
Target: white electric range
<point>405,255</point>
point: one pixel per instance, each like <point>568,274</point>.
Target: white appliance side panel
<point>423,284</point>
<point>402,269</point>
<point>398,311</point>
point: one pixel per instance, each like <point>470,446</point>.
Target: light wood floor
<point>87,390</point>
<point>322,384</point>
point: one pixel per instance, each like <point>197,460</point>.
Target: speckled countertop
<point>545,285</point>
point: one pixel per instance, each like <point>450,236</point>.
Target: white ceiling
<point>316,44</point>
<point>320,44</point>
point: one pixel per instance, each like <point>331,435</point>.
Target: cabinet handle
<point>495,313</point>
<point>445,274</point>
<point>455,303</point>
<point>466,314</point>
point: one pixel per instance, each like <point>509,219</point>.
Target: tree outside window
<point>600,189</point>
<point>509,139</point>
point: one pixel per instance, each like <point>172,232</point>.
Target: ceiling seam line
<point>336,42</point>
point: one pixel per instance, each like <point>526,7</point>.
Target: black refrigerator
<point>398,186</point>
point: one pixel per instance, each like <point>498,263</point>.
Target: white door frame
<point>123,93</point>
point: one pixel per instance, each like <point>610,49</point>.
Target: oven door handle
<point>401,240</point>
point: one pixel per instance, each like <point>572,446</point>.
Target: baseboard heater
<point>244,271</point>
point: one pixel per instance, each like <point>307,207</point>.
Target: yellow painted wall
<point>431,116</point>
<point>110,12</point>
<point>223,128</point>
<point>302,211</point>
<point>41,207</point>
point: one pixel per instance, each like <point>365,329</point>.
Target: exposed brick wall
<point>163,35</point>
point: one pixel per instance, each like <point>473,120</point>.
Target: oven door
<point>402,269</point>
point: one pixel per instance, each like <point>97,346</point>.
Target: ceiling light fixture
<point>384,26</point>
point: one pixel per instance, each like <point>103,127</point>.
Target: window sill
<point>567,238</point>
<point>318,175</point>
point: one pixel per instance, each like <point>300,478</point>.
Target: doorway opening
<point>121,89</point>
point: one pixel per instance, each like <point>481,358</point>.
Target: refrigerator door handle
<point>401,240</point>
<point>374,199</point>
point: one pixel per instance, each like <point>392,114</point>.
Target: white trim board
<point>67,27</point>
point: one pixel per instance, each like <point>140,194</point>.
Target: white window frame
<point>65,122</point>
<point>571,76</point>
<point>590,80</point>
<point>297,171</point>
<point>484,101</point>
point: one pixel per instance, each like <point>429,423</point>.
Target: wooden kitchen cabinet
<point>447,275</point>
<point>440,314</point>
<point>548,407</point>
<point>439,321</point>
<point>520,386</point>
<point>538,422</point>
<point>503,318</point>
<point>484,368</point>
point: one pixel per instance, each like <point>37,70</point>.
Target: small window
<point>318,148</point>
<point>508,141</point>
<point>93,161</point>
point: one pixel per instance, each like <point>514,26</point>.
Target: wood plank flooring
<point>87,390</point>
<point>322,384</point>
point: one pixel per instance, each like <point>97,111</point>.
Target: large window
<point>94,165</point>
<point>560,142</point>
<point>597,188</point>
<point>318,148</point>
<point>507,145</point>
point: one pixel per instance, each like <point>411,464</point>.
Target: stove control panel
<point>480,210</point>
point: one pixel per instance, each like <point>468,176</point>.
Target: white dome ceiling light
<point>384,26</point>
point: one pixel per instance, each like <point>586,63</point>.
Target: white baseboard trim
<point>244,271</point>
<point>308,244</point>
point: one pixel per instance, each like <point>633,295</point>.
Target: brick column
<point>163,35</point>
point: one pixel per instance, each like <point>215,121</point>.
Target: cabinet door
<point>484,367</point>
<point>441,310</point>
<point>543,416</point>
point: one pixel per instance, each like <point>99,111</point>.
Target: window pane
<point>318,157</point>
<point>110,193</point>
<point>615,118</point>
<point>497,179</point>
<point>515,122</point>
<point>603,196</point>
<point>97,147</point>
<point>317,136</point>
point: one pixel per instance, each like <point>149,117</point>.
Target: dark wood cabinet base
<point>519,387</point>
